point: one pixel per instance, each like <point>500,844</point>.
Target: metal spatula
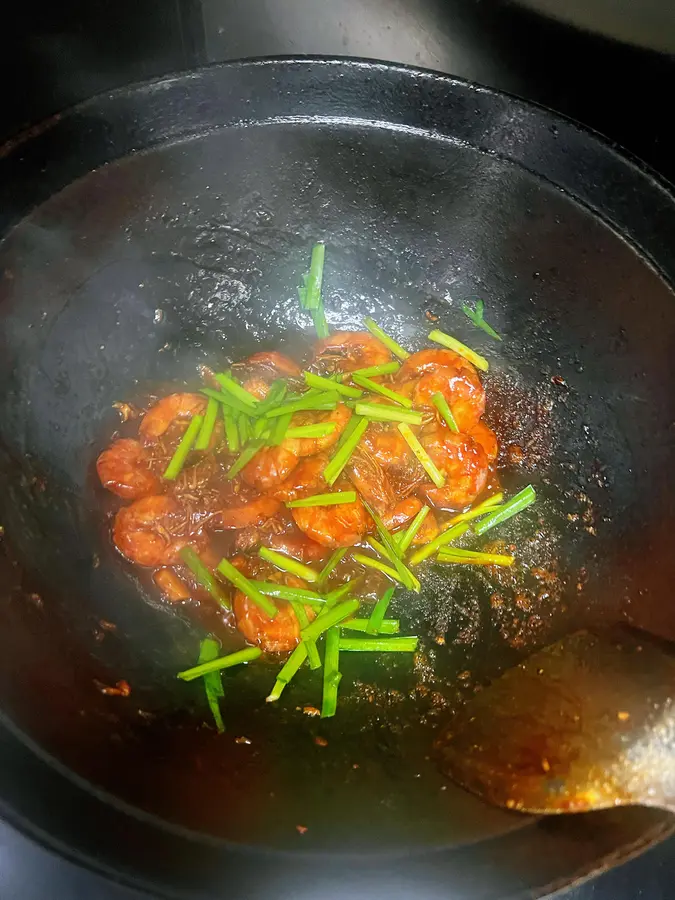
<point>586,723</point>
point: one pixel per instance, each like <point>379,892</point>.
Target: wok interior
<point>190,253</point>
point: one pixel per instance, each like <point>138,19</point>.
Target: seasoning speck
<point>311,711</point>
<point>623,716</point>
<point>301,829</point>
<point>320,741</point>
<point>242,740</point>
<point>121,689</point>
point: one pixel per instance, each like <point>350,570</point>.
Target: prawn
<point>153,530</point>
<point>346,351</point>
<point>404,512</point>
<point>269,467</point>
<point>261,369</point>
<point>250,512</point>
<point>159,417</point>
<point>367,475</point>
<point>388,446</point>
<point>442,371</point>
<point>305,479</point>
<point>463,462</point>
<point>487,439</point>
<point>339,417</point>
<point>124,469</point>
<point>296,545</point>
<point>334,526</point>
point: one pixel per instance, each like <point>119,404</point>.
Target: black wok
<point>165,225</point>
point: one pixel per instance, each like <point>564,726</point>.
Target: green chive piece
<point>468,557</point>
<point>440,337</point>
<point>335,499</point>
<point>213,683</point>
<point>279,429</point>
<point>303,621</point>
<point>230,386</point>
<point>376,388</point>
<point>379,548</point>
<point>284,592</point>
<point>321,429</point>
<point>281,561</point>
<point>325,401</point>
<point>387,626</point>
<point>227,401</point>
<point>182,451</point>
<point>320,323</point>
<point>314,280</point>
<point>333,560</point>
<point>408,536</point>
<point>231,432</point>
<point>476,316</point>
<point>516,504</point>
<point>336,595</point>
<point>244,458</point>
<point>489,505</point>
<point>244,428</point>
<point>384,338</point>
<point>205,432</point>
<point>388,413</point>
<point>426,461</point>
<point>275,395</point>
<point>342,455</point>
<point>442,406</point>
<point>447,537</point>
<point>404,573</point>
<point>222,662</point>
<point>379,645</point>
<point>327,384</point>
<point>260,427</point>
<point>371,563</point>
<point>204,576</point>
<point>375,623</point>
<point>288,670</point>
<point>328,618</point>
<point>331,673</point>
<point>373,371</point>
<point>246,586</point>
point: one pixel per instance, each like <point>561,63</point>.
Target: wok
<point>163,226</point>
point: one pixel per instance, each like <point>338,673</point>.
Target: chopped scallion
<point>374,371</point>
<point>327,384</point>
<point>182,451</point>
<point>333,560</point>
<point>204,576</point>
<point>476,316</point>
<point>426,461</point>
<point>482,509</point>
<point>371,563</point>
<point>379,645</point>
<point>375,388</point>
<point>213,683</point>
<point>516,504</point>
<point>246,586</point>
<point>468,557</point>
<point>325,401</point>
<point>440,337</point>
<point>285,592</point>
<point>314,280</point>
<point>432,547</point>
<point>442,406</point>
<point>404,573</point>
<point>386,626</point>
<point>281,561</point>
<point>209,423</point>
<point>303,622</point>
<point>320,429</point>
<point>231,432</point>
<point>288,670</point>
<point>230,386</point>
<point>335,499</point>
<point>408,536</point>
<point>384,338</point>
<point>343,453</point>
<point>331,673</point>
<point>384,413</point>
<point>339,592</point>
<point>279,429</point>
<point>376,621</point>
<point>227,401</point>
<point>328,618</point>
<point>244,458</point>
<point>222,662</point>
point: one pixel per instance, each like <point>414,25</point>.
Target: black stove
<point>77,48</point>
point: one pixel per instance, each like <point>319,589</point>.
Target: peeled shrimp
<point>442,371</point>
<point>263,368</point>
<point>304,480</point>
<point>346,351</point>
<point>249,512</point>
<point>124,469</point>
<point>269,467</point>
<point>152,531</point>
<point>159,417</point>
<point>463,462</point>
<point>334,526</point>
<point>339,417</point>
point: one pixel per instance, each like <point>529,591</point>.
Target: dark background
<point>51,57</point>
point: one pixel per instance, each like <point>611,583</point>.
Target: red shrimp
<point>307,478</point>
<point>153,530</point>
<point>166,411</point>
<point>346,351</point>
<point>261,369</point>
<point>124,469</point>
<point>487,439</point>
<point>249,512</point>
<point>339,417</point>
<point>403,514</point>
<point>269,467</point>
<point>463,462</point>
<point>334,526</point>
<point>442,371</point>
<point>277,635</point>
<point>369,478</point>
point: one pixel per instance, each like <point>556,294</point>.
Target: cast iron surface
<point>426,189</point>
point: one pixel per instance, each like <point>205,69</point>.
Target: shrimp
<point>263,368</point>
<point>296,545</point>
<point>153,530</point>
<point>159,417</point>
<point>124,469</point>
<point>334,526</point>
<point>388,446</point>
<point>487,439</point>
<point>173,587</point>
<point>249,512</point>
<point>464,463</point>
<point>346,351</point>
<point>442,371</point>
<point>404,512</point>
<point>277,635</point>
<point>305,479</point>
<point>339,417</point>
<point>269,467</point>
<point>369,478</point>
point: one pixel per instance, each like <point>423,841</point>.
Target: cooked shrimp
<point>296,545</point>
<point>369,478</point>
<point>307,478</point>
<point>249,512</point>
<point>159,417</point>
<point>339,417</point>
<point>442,371</point>
<point>277,635</point>
<point>124,469</point>
<point>346,351</point>
<point>463,462</point>
<point>403,514</point>
<point>487,439</point>
<point>334,526</point>
<point>173,587</point>
<point>152,531</point>
<point>261,369</point>
<point>269,467</point>
<point>386,443</point>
